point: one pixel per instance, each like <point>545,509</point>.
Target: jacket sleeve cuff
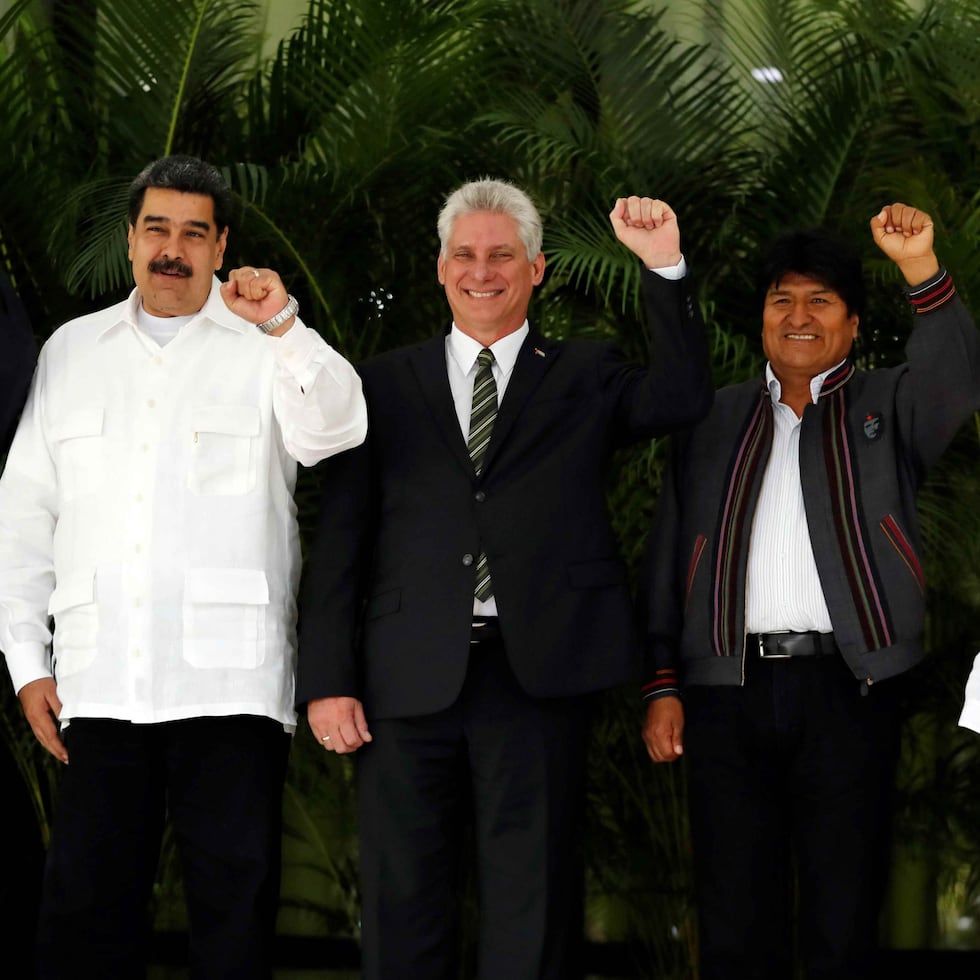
<point>665,683</point>
<point>932,293</point>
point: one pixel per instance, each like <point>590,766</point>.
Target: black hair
<point>189,176</point>
<point>817,254</point>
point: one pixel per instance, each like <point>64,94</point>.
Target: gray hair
<point>499,197</point>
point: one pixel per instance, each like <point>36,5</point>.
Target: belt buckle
<point>770,656</point>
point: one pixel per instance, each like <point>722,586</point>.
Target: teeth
<point>801,336</point>
<point>476,295</point>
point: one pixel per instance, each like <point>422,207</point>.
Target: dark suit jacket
<point>17,360</point>
<point>388,596</point>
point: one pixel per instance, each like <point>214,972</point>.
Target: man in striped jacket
<point>785,598</point>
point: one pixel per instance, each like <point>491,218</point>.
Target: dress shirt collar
<point>464,350</point>
<point>214,309</point>
<point>816,383</point>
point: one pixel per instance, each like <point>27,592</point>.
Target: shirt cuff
<point>678,271</point>
<point>26,662</point>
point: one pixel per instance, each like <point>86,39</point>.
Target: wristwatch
<point>289,310</point>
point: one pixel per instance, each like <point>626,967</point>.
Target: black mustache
<point>170,267</point>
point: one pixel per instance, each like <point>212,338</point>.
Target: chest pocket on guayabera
<point>81,451</point>
<point>223,449</point>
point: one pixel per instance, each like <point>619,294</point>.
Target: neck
<point>487,337</point>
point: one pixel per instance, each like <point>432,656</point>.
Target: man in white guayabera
<point>147,506</point>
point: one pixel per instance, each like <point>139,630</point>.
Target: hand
<point>42,708</point>
<point>905,235</point>
<point>663,729</point>
<point>256,295</point>
<point>648,228</point>
<point>338,724</point>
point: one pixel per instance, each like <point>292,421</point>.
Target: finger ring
<point>326,738</point>
<point>255,272</point>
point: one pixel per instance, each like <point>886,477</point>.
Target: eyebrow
<point>490,248</point>
<point>156,218</point>
<point>777,291</point>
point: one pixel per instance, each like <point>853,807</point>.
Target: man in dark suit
<point>786,594</point>
<point>18,892</point>
<point>465,592</point>
<point>17,363</point>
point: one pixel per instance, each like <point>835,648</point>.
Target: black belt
<point>485,629</point>
<point>781,646</point>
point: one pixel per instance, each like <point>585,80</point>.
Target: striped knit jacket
<point>865,447</point>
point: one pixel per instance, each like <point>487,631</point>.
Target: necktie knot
<point>485,358</point>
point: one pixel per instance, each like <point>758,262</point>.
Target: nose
<point>799,312</point>
<point>481,270</point>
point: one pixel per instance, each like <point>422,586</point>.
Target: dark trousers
<point>220,782</point>
<point>795,763</point>
<point>521,760</point>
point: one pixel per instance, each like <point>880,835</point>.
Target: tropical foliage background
<point>340,143</point>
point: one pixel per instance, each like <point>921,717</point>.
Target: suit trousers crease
<point>219,781</point>
<point>797,764</point>
<point>517,764</point>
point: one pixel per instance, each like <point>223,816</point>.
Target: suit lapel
<point>428,361</point>
<point>536,357</point>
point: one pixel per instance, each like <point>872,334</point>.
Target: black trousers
<point>797,763</point>
<point>220,782</point>
<point>521,761</point>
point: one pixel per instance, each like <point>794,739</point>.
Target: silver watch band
<point>289,310</point>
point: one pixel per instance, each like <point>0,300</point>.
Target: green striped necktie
<point>482,416</point>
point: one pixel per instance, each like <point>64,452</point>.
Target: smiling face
<point>806,329</point>
<point>487,276</point>
<point>175,249</point>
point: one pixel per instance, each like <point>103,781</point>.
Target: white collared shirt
<point>147,505</point>
<point>783,590</point>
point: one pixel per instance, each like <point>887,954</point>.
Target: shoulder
<point>83,329</point>
<point>398,357</point>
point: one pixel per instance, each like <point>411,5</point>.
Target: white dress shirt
<point>147,505</point>
<point>783,590</point>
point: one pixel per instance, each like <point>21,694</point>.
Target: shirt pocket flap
<point>77,589</point>
<point>231,420</point>
<point>78,423</point>
<point>233,586</point>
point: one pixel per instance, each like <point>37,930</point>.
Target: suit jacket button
<point>479,496</point>
<point>467,560</point>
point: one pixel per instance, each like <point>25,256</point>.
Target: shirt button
<point>151,403</point>
<point>467,560</point>
<point>479,496</point>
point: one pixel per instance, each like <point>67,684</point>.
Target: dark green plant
<point>340,147</point>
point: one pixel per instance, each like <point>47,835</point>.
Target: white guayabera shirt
<point>147,507</point>
<point>970,718</point>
